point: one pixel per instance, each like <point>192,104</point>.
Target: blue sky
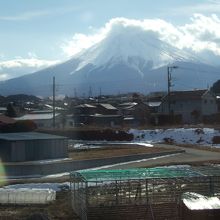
<point>41,30</point>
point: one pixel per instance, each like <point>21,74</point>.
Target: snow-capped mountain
<point>126,61</point>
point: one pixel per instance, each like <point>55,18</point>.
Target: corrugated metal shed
<point>22,136</point>
<point>29,146</point>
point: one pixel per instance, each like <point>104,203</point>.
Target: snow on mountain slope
<point>127,59</point>
<point>137,49</point>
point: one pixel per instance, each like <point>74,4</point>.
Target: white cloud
<point>204,33</point>
<point>199,37</point>
<point>21,66</point>
<point>25,16</point>
<point>28,15</point>
<point>200,34</point>
<point>28,62</point>
<point>3,76</point>
<point>80,42</point>
<point>211,6</point>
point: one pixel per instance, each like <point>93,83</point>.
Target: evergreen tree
<point>10,111</point>
<point>216,87</point>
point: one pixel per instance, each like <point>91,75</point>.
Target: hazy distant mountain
<point>124,62</point>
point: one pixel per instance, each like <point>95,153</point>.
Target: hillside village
<point>102,143</point>
<point>110,110</point>
<point>115,111</point>
<point>124,156</point>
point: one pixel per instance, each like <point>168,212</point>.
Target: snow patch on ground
<point>195,136</point>
<point>47,161</point>
<point>54,186</point>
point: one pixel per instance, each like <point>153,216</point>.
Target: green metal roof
<point>140,173</point>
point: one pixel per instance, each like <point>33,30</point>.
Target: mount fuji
<point>126,60</point>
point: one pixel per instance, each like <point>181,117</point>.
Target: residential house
<point>191,105</point>
<point>84,109</point>
<point>106,120</point>
<point>81,113</point>
<point>106,109</point>
<point>106,115</point>
<point>153,106</point>
<point>3,110</point>
<point>43,119</point>
<point>6,120</point>
<point>135,113</point>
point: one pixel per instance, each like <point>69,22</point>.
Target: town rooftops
<point>25,136</point>
<point>186,95</point>
<point>108,106</point>
<point>125,104</point>
<point>38,116</point>
<point>105,116</point>
<point>41,111</point>
<point>3,109</point>
<point>85,106</point>
<point>6,120</point>
<point>153,104</point>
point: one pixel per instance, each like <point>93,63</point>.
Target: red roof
<point>6,120</point>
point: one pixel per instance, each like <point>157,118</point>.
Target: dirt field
<point>113,151</point>
<point>192,156</point>
<point>61,208</point>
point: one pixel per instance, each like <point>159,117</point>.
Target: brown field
<point>61,208</point>
<point>114,151</point>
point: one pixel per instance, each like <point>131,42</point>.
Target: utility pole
<point>100,94</point>
<point>54,102</point>
<point>100,91</point>
<point>169,84</point>
<point>75,93</point>
<point>90,92</point>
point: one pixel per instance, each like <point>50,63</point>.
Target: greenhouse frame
<point>145,193</point>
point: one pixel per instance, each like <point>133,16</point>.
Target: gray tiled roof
<point>28,136</point>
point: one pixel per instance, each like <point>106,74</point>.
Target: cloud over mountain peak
<point>198,37</point>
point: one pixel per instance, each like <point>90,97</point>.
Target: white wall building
<point>191,105</point>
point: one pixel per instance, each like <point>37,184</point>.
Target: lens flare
<point>3,179</point>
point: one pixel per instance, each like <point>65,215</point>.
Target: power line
<point>202,71</point>
<point>169,83</point>
<point>185,85</point>
<point>54,101</point>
